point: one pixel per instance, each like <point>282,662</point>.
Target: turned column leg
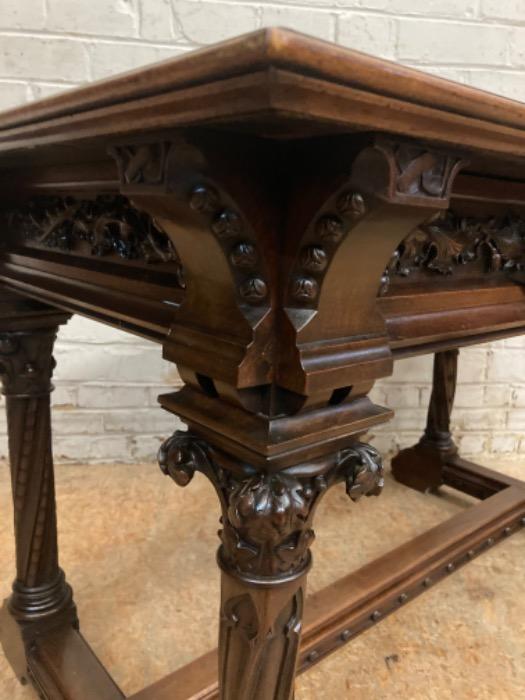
<point>267,530</point>
<point>421,466</point>
<point>41,599</point>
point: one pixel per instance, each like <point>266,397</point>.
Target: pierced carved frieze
<point>267,517</point>
<point>449,241</point>
<point>107,226</point>
<point>241,252</point>
<point>320,245</point>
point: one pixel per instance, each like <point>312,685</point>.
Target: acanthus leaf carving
<point>107,226</point>
<point>450,240</point>
<point>267,517</point>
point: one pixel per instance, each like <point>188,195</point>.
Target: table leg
<point>267,530</point>
<point>421,466</point>
<point>41,599</point>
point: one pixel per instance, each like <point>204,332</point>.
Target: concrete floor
<point>139,552</point>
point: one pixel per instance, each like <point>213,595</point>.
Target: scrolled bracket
<point>180,456</point>
<point>365,475</point>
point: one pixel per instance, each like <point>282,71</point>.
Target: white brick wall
<point>107,382</point>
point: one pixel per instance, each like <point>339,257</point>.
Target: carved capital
<point>26,362</point>
<point>267,517</point>
<point>407,173</point>
<point>141,163</point>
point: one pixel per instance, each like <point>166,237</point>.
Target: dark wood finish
<point>264,556</point>
<point>338,613</point>
<point>41,599</point>
<point>62,666</point>
<point>421,467</point>
<point>474,479</point>
<point>285,218</point>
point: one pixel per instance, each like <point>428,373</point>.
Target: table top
<point>276,83</point>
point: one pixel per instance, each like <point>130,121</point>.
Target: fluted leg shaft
<point>41,599</point>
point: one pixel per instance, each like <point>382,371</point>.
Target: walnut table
<point>285,218</point>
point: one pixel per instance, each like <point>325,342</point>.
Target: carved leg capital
<point>267,530</point>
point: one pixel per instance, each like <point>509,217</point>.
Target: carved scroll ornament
<point>450,240</point>
<point>267,517</point>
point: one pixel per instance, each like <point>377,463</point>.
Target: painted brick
<point>469,395</point>
<point>65,396</point>
<point>450,42</point>
<point>506,10</point>
<point>109,58</point>
<point>516,419</point>
<point>506,366</point>
<point>511,85</point>
<point>435,8</point>
<point>409,419</point>
<point>497,395</point>
<point>137,421</point>
<point>105,448</point>
<point>98,17</point>
<point>370,33</point>
<point>13,94</point>
<point>503,444</point>
<point>207,22</point>
<point>517,341</point>
<point>112,396</point>
<point>517,48</point>
<point>157,20</point>
<point>320,24</point>
<point>518,396</point>
<point>40,90</point>
<point>32,57</point>
<point>22,14</point>
<point>478,419</point>
<point>402,396</point>
<point>110,363</point>
<point>472,444</point>
<point>472,366</point>
<point>77,423</point>
<point>413,370</point>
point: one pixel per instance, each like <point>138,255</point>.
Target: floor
<point>139,552</point>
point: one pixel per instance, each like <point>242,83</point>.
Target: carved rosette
<point>320,244</point>
<point>267,517</point>
<point>235,239</point>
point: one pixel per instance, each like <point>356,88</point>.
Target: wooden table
<point>285,218</point>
